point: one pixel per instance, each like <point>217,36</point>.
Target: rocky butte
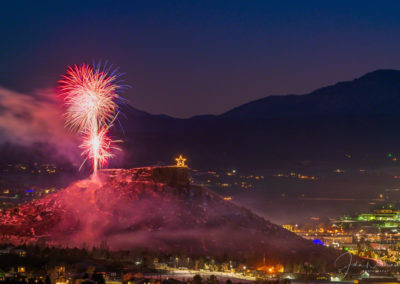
<point>158,210</point>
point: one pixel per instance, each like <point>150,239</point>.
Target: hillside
<point>154,209</point>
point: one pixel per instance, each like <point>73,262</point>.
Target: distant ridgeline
<point>358,117</point>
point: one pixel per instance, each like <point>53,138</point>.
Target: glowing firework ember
<point>90,96</point>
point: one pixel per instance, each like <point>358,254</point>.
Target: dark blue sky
<point>193,57</point>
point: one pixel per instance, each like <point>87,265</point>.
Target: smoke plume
<point>26,119</point>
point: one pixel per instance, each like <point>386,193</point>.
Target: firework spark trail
<point>90,98</point>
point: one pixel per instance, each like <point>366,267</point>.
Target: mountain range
<point>358,117</point>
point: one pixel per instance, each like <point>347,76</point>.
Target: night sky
<point>185,58</point>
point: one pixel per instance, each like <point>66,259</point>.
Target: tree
<point>197,279</point>
<point>47,280</point>
<point>212,280</point>
<point>98,277</point>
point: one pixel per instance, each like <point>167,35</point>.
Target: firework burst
<point>90,98</point>
<point>98,146</point>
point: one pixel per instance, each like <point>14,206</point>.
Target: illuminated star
<point>180,162</point>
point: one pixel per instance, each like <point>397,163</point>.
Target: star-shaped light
<point>180,162</point>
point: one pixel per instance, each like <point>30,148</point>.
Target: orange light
<point>180,162</point>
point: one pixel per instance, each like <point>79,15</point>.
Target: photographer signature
<point>351,263</point>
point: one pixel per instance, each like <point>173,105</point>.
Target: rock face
<point>172,176</point>
<point>154,209</point>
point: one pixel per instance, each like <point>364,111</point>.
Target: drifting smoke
<point>26,120</point>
